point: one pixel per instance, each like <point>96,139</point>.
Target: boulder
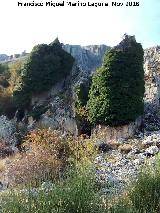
<point>102,146</point>
<point>7,131</point>
<point>152,150</point>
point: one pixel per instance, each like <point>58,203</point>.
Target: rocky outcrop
<point>125,43</point>
<point>88,57</point>
<point>13,58</point>
<point>59,104</point>
<point>4,57</point>
<point>116,133</point>
<point>7,131</point>
<point>152,78</point>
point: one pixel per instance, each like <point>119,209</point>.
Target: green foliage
<point>82,151</point>
<point>4,69</point>
<point>15,73</point>
<point>37,111</point>
<point>117,90</point>
<point>82,92</point>
<point>75,193</point>
<point>145,195</point>
<point>11,74</point>
<point>46,65</point>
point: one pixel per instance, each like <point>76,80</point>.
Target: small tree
<point>117,90</point>
<point>83,124</point>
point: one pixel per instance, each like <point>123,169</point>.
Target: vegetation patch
<point>117,90</point>
<point>45,66</point>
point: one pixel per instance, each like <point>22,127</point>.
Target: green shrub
<point>4,69</point>
<point>37,111</point>
<point>12,76</point>
<point>82,151</point>
<point>46,65</point>
<point>145,195</point>
<point>117,90</point>
<point>15,70</point>
<point>82,92</point>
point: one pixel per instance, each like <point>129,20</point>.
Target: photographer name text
<point>78,4</point>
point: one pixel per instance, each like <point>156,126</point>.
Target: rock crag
<point>88,57</point>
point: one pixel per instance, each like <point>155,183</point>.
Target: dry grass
<point>114,144</point>
<point>32,168</point>
<point>125,148</point>
<point>47,154</point>
<point>2,167</point>
<point>45,158</point>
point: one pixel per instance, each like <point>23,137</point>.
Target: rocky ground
<point>124,160</point>
<point>119,161</point>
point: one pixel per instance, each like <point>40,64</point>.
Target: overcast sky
<point>24,27</point>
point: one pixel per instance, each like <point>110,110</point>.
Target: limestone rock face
<point>88,57</point>
<point>7,131</point>
<point>152,78</point>
<point>3,57</point>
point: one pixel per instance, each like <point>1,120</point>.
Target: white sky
<point>24,27</point>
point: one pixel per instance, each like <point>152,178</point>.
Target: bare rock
<point>7,131</point>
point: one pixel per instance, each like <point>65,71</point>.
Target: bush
<point>83,124</point>
<point>117,90</point>
<point>15,70</point>
<point>12,78</point>
<point>82,151</point>
<point>37,111</point>
<point>45,159</point>
<point>48,155</point>
<point>7,106</point>
<point>4,69</point>
<point>46,65</point>
<point>145,195</point>
<point>82,92</point>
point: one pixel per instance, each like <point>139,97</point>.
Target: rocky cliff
<point>3,57</point>
<point>60,100</point>
<point>88,57</point>
<point>152,77</point>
